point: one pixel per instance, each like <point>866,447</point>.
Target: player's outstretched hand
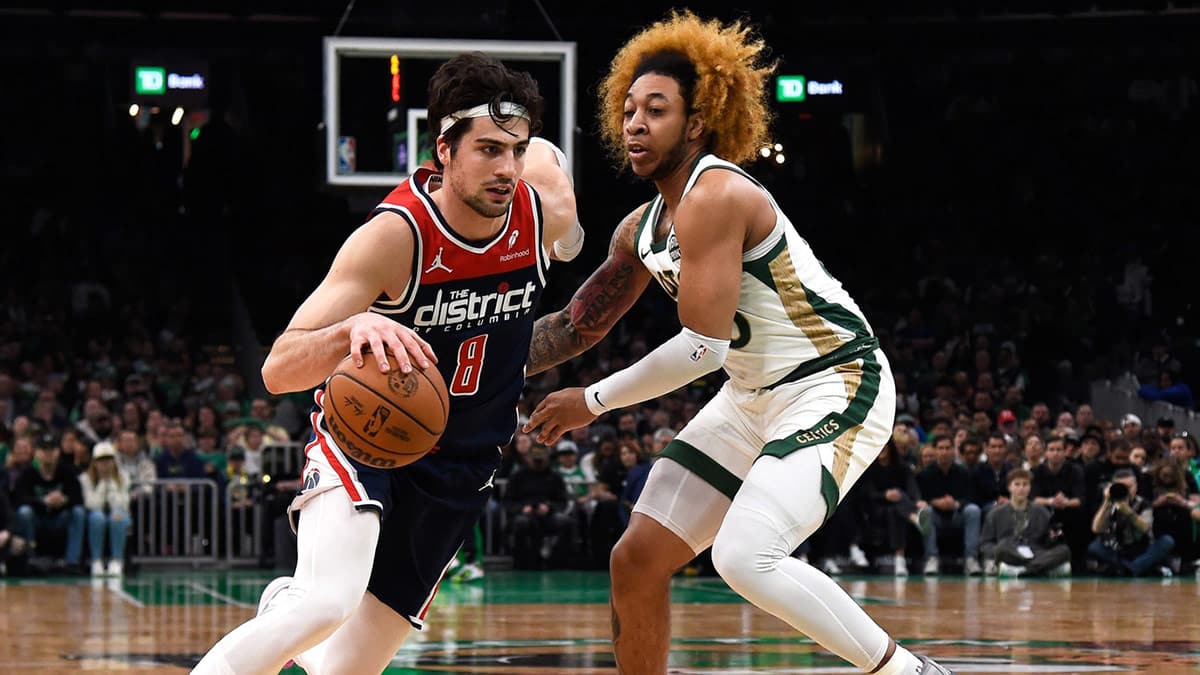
<point>557,414</point>
<point>383,336</point>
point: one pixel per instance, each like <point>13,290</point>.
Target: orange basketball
<point>385,420</point>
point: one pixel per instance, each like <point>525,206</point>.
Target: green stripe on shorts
<point>833,425</point>
<point>830,491</point>
<point>706,468</point>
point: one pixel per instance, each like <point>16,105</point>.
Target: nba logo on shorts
<point>375,422</point>
<point>312,479</point>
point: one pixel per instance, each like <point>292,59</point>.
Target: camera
<point>1118,492</point>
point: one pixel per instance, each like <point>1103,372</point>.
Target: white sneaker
<point>273,589</point>
<point>1063,570</point>
<point>931,566</point>
<point>1011,571</point>
<point>989,568</point>
<point>830,567</point>
<point>931,667</point>
<point>857,557</point>
<point>97,568</point>
<point>900,566</point>
<point>469,572</point>
<point>116,568</point>
<point>972,567</point>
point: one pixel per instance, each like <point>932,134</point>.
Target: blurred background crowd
<point>1013,207</point>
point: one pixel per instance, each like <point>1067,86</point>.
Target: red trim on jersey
<point>334,460</point>
<point>503,253</point>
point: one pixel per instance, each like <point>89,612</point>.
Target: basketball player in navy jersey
<point>445,273</point>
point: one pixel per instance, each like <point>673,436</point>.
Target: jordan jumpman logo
<point>438,264</point>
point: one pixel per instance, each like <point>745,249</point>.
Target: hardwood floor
<point>558,622</point>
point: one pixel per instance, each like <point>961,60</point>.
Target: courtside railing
<point>176,522</point>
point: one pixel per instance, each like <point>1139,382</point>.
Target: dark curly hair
<point>472,79</point>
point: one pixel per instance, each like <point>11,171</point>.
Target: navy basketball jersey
<point>474,302</point>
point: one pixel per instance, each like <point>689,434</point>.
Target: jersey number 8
<point>470,363</point>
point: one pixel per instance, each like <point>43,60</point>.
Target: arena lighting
<point>779,159</point>
<point>779,147</point>
<point>395,78</point>
<point>195,133</point>
<point>176,117</point>
<point>765,151</point>
<point>134,109</point>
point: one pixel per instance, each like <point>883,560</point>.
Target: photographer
<point>1123,527</point>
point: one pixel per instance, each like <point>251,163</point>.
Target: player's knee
<point>733,560</point>
<point>633,558</point>
<point>747,546</point>
<point>326,611</point>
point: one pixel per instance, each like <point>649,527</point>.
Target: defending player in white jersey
<point>810,398</point>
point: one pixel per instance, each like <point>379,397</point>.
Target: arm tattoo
<point>597,305</point>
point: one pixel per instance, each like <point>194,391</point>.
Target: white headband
<point>505,109</point>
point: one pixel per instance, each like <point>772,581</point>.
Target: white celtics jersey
<point>793,317</point>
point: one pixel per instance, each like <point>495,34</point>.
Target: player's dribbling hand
<point>557,414</point>
<point>382,335</point>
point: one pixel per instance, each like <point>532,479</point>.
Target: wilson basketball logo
<point>376,420</point>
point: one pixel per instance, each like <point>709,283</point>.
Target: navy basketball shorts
<point>427,509</point>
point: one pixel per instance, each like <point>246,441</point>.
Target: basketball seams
<point>443,400</point>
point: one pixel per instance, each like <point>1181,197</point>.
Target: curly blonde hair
<point>730,76</point>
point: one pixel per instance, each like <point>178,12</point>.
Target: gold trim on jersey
<point>843,446</point>
<point>795,303</point>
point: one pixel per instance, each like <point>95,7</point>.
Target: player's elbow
<point>272,377</point>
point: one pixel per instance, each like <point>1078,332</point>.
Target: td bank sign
<point>169,83</point>
<point>153,80</point>
<point>797,88</point>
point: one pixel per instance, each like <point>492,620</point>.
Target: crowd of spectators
<point>1035,493</point>
<point>1018,235</point>
<point>85,433</point>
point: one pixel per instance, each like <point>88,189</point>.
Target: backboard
<point>376,95</point>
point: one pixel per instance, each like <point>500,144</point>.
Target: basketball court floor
<point>558,622</point>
